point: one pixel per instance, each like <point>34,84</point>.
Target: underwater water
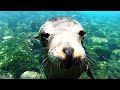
<point>20,51</point>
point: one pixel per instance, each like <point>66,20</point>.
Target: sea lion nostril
<point>68,51</point>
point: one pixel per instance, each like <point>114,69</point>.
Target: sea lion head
<point>62,42</point>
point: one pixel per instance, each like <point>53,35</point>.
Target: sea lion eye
<point>44,35</point>
<point>81,33</point>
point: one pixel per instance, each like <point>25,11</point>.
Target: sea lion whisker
<point>59,62</point>
<point>45,48</point>
<point>72,64</point>
<point>59,68</point>
<point>90,57</point>
<point>51,71</point>
<point>75,67</point>
<point>82,63</point>
<point>104,57</point>
<point>91,60</point>
<point>43,55</point>
<point>87,50</point>
<point>44,60</point>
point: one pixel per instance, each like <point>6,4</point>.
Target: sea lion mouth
<point>69,63</point>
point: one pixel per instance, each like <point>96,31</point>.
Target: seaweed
<point>17,56</point>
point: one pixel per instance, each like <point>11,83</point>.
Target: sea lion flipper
<point>36,37</point>
<point>89,71</point>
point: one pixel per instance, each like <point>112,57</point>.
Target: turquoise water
<point>19,51</point>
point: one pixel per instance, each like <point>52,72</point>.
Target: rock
<point>115,54</point>
<point>7,37</point>
<point>99,40</point>
<point>5,75</point>
<point>30,75</point>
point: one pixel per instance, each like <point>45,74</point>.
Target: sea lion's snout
<point>70,60</point>
<point>68,52</point>
<point>69,57</point>
<point>66,46</point>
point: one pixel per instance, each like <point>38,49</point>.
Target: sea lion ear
<point>36,37</point>
<point>89,72</point>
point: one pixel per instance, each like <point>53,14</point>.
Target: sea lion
<point>62,39</point>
